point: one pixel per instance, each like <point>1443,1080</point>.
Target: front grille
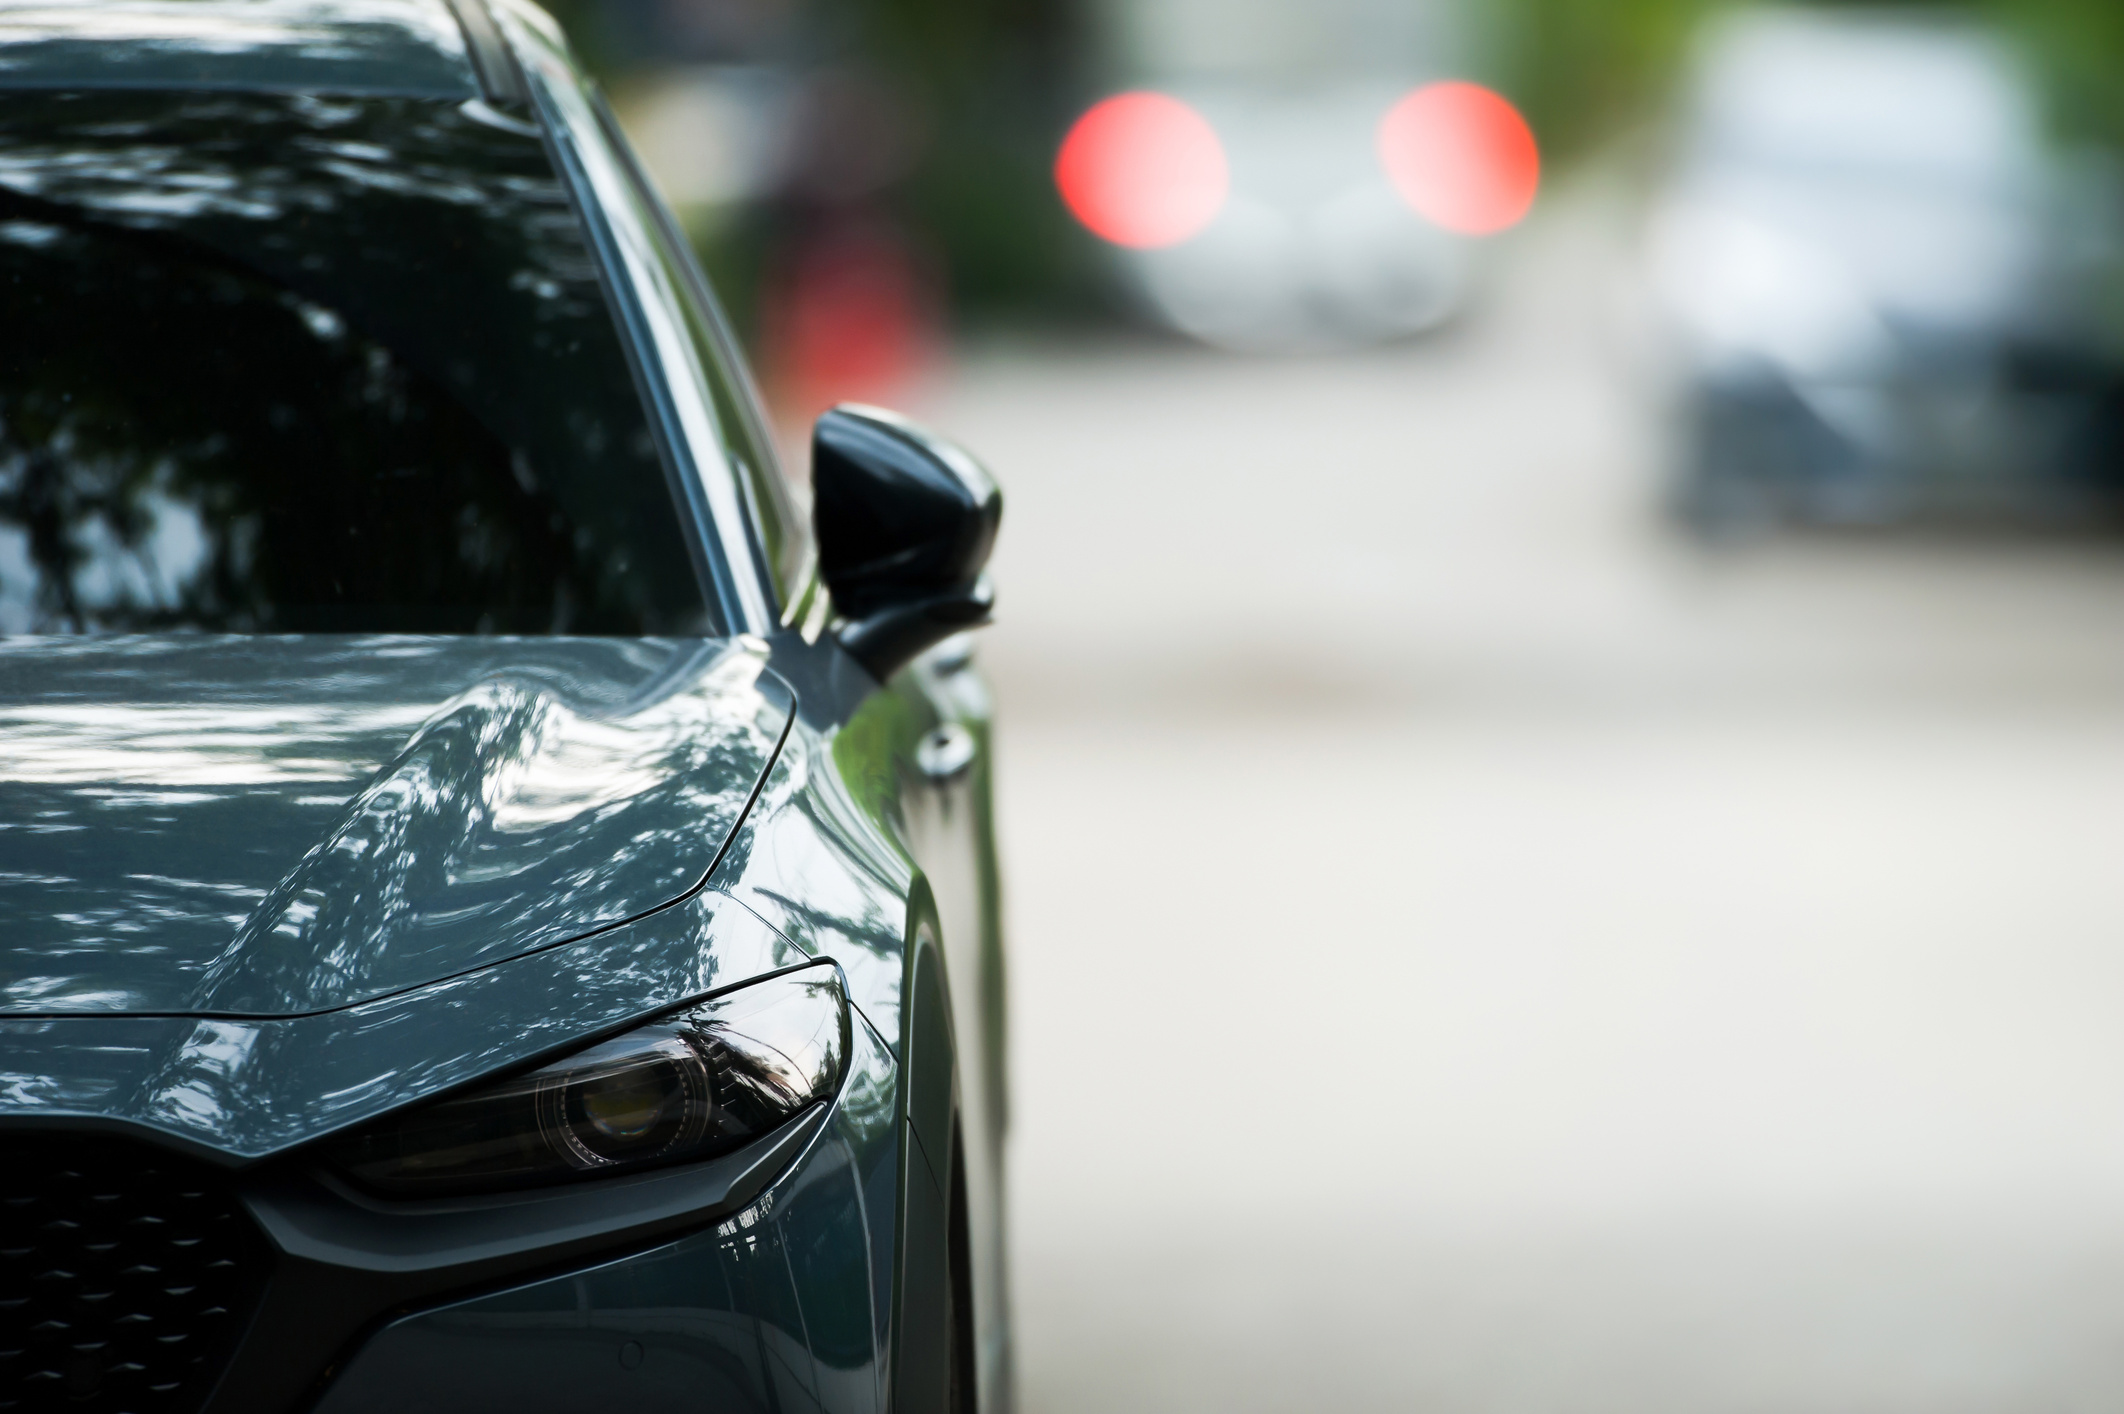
<point>126,1276</point>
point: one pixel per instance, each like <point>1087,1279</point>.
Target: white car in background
<point>1881,283</point>
<point>1311,246</point>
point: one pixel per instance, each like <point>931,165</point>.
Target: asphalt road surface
<point>1475,951</point>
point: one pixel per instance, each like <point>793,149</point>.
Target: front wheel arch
<point>933,1349</point>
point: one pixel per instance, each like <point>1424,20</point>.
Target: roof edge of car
<point>427,49</point>
<point>501,78</point>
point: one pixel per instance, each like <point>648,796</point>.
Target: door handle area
<point>946,753</point>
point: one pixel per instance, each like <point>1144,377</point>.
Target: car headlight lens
<point>692,1085</point>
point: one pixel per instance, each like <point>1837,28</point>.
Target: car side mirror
<point>905,522</point>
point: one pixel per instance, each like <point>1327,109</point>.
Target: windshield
<point>293,364</point>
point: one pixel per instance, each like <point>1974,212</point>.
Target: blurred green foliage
<point>2080,47</point>
<point>994,83</point>
<point>991,84</point>
<point>1586,70</point>
<point>993,79</point>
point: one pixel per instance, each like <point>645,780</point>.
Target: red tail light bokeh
<point>1462,156</point>
<point>1143,170</point>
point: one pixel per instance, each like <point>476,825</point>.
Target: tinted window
<point>298,364</point>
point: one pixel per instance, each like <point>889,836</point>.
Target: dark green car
<point>497,911</point>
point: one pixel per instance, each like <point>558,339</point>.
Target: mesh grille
<point>126,1275</point>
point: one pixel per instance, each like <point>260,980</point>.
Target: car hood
<point>252,826</point>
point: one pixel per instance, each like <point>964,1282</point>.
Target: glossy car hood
<point>275,826</point>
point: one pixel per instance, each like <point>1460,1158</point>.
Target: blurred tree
<point>1586,69</point>
<point>983,86</point>
<point>2079,45</point>
<point>1583,70</point>
<point>993,79</point>
<point>990,84</point>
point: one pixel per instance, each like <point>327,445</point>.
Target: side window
<point>782,529</point>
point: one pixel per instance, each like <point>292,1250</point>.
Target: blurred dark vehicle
<point>1883,286</point>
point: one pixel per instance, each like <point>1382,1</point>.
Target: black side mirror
<point>905,522</point>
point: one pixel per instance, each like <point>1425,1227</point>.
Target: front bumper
<point>758,1281</point>
<point>360,1294</point>
<point>755,1312</point>
<point>344,1261</point>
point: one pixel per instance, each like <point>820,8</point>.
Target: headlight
<point>698,1083</point>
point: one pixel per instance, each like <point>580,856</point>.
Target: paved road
<point>1476,953</point>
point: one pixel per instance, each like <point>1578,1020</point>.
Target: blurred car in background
<point>1883,286</point>
<point>1251,185</point>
